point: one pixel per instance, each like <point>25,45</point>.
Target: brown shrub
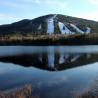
<point>24,92</point>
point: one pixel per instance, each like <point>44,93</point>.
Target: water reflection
<point>52,59</point>
<point>47,84</point>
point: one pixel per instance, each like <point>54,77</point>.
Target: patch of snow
<point>51,58</point>
<point>40,27</point>
<point>63,28</point>
<point>62,59</point>
<point>40,58</point>
<point>88,30</point>
<point>76,28</point>
<point>66,57</point>
<point>75,58</point>
<point>54,16</point>
<point>50,26</point>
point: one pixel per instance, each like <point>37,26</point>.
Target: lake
<point>53,71</point>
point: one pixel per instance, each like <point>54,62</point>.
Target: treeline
<point>55,39</point>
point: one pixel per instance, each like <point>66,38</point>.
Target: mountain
<point>59,60</point>
<point>51,24</point>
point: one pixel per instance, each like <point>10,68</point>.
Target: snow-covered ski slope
<point>63,27</point>
<point>50,25</point>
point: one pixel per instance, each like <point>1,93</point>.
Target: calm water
<point>67,69</point>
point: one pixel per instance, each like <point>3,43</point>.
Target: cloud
<point>55,3</point>
<point>90,16</point>
<point>13,4</point>
<point>54,80</point>
<point>49,3</point>
<point>95,2</point>
<point>21,9</point>
<point>9,4</point>
<point>37,1</point>
<point>5,16</point>
<point>6,19</point>
<point>31,1</point>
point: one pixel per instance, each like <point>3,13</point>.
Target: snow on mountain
<point>63,28</point>
<point>76,28</point>
<point>51,58</point>
<point>61,58</point>
<point>75,58</point>
<point>40,27</point>
<point>54,16</point>
<point>50,25</point>
<point>88,30</point>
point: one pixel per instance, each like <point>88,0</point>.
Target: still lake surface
<point>53,71</point>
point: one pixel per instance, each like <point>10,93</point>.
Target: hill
<point>50,24</point>
<point>54,29</point>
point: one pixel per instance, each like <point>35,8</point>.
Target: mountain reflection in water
<point>49,84</point>
<point>52,61</point>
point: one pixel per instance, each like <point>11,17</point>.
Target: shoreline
<point>46,40</point>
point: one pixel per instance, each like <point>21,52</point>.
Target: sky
<point>16,10</point>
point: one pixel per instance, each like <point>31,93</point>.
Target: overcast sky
<point>15,10</point>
